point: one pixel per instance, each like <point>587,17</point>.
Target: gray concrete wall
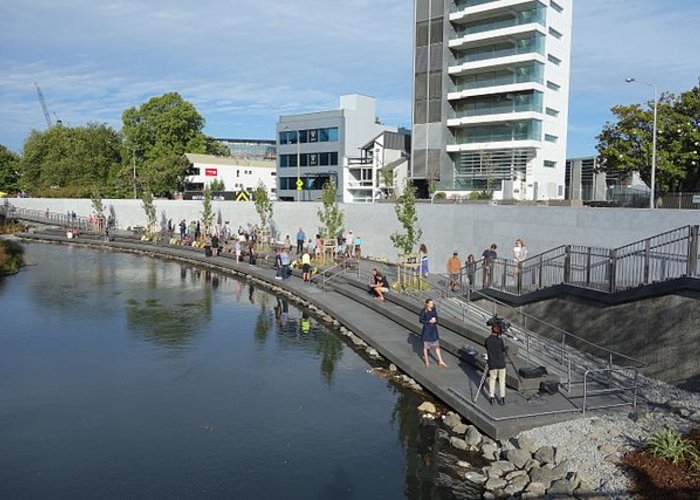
<point>468,228</point>
<point>663,332</point>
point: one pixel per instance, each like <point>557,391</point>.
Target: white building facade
<point>314,148</point>
<point>490,96</point>
<point>236,174</point>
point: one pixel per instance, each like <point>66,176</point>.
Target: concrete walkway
<point>456,385</point>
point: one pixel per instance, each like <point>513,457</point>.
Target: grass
<point>670,445</point>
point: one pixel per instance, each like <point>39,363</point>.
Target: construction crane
<point>49,123</point>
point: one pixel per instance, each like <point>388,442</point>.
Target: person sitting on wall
<point>380,285</point>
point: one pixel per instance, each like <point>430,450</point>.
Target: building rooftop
<point>228,162</point>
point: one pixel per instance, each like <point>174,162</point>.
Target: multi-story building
<point>587,181</point>
<point>313,148</point>
<point>237,175</point>
<point>490,96</point>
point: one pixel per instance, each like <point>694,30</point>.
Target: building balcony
<point>460,92</point>
<point>464,8</point>
<point>527,144</point>
<point>496,35</point>
<point>466,65</point>
<point>474,118</point>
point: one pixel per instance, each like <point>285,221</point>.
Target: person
<point>285,265</point>
<point>170,228</point>
<point>358,246</point>
<point>318,247</point>
<point>306,267</point>
<point>238,251</point>
<point>301,237</point>
<point>197,231</point>
<point>519,255</point>
<point>470,267</point>
<point>350,240</point>
<point>183,229</point>
<point>215,248</point>
<point>429,334</point>
<point>288,243</point>
<point>379,286</point>
<point>423,269</point>
<point>454,269</point>
<point>496,350</point>
<point>489,258</point>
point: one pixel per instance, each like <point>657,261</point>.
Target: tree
<point>149,209</point>
<point>217,185</point>
<point>207,211</point>
<point>626,145</point>
<point>156,136</point>
<point>263,204</point>
<point>330,215</point>
<point>408,218</point>
<point>69,161</point>
<point>9,170</point>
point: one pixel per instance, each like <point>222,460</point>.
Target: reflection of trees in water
<point>264,322</point>
<point>330,347</point>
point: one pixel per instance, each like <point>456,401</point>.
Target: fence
<point>679,201</point>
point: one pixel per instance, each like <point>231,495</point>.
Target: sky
<point>245,62</point>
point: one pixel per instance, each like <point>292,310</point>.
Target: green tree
<point>69,161</point>
<point>626,145</point>
<point>406,212</point>
<point>9,170</point>
<point>217,185</point>
<point>330,215</point>
<point>156,136</point>
<point>97,206</point>
<point>207,211</point>
<point>263,204</point>
<point>149,209</point>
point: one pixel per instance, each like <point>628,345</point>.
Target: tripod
<point>481,382</point>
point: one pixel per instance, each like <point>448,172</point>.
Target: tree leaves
<point>405,210</point>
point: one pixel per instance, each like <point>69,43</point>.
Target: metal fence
<point>679,201</point>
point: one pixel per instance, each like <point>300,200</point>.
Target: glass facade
<point>526,45</point>
<point>500,103</point>
<point>522,130</point>
<point>532,72</point>
<point>329,134</point>
<point>536,14</point>
<point>309,160</point>
<point>465,4</point>
<point>311,182</point>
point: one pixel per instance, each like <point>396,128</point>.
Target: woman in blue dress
<point>429,335</point>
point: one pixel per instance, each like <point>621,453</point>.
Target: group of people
<point>345,245</point>
<point>488,260</point>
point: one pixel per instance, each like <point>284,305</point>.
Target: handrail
<point>610,371</point>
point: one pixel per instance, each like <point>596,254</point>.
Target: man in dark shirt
<point>488,259</point>
<point>496,351</point>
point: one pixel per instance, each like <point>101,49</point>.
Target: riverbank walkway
<point>392,329</point>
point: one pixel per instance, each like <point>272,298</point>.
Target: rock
<point>545,455</point>
<point>559,455</point>
<point>517,485</point>
<point>535,490</point>
<point>561,487</point>
<point>613,458</point>
<point>372,352</point>
<point>495,483</point>
<point>427,407</point>
<point>574,478</point>
<point>459,429</point>
<point>463,464</point>
<point>516,473</point>
<point>460,444</point>
<point>327,319</point>
<point>487,495</point>
<point>526,444</point>
<point>343,330</point>
<point>336,323</point>
<point>504,465</point>
<point>684,412</point>
<point>607,449</point>
<point>472,436</point>
<point>489,451</point>
<point>452,419</point>
<point>517,457</point>
<point>476,478</point>
<point>546,475</point>
<point>392,367</point>
<point>530,464</point>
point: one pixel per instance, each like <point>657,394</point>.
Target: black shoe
<point>491,401</point>
<point>502,401</point>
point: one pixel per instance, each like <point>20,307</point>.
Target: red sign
<point>211,172</point>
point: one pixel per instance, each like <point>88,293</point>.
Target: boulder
<point>489,451</point>
<point>607,449</point>
<point>534,490</point>
<point>561,487</point>
<point>517,457</point>
<point>460,444</point>
<point>526,444</point>
<point>495,483</point>
<point>459,429</point>
<point>392,367</point>
<point>472,436</point>
<point>516,473</point>
<point>545,455</point>
<point>574,478</point>
<point>476,478</point>
<point>327,319</point>
<point>504,466</point>
<point>452,419</point>
<point>544,475</point>
<point>427,407</point>
<point>516,485</point>
<point>530,464</point>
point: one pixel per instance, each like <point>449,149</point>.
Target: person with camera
<point>496,351</point>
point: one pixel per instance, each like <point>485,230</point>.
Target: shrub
<point>670,445</point>
<point>11,257</point>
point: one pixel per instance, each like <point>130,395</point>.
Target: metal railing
<point>331,274</point>
<point>666,256</point>
<point>65,220</point>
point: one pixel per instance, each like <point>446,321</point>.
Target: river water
<point>129,377</point>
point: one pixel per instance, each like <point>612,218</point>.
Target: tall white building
<point>313,148</point>
<point>490,96</point>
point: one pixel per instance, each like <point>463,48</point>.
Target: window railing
<point>532,74</point>
<point>535,15</point>
<point>526,46</point>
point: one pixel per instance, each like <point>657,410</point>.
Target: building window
<point>556,6</point>
<point>553,60</point>
<point>551,138</point>
<point>329,134</point>
<point>555,33</point>
<point>550,164</point>
<point>553,86</point>
<point>552,112</point>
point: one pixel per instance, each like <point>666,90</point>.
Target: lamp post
<point>653,146</point>
<point>133,162</point>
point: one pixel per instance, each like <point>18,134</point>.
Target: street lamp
<point>653,147</point>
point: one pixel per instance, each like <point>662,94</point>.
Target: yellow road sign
<point>242,196</point>
<point>300,184</point>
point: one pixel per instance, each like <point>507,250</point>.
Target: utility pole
<point>133,162</point>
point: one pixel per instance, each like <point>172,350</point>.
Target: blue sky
<point>243,63</point>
